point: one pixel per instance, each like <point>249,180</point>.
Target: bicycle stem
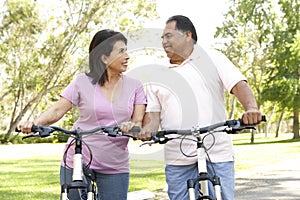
<point>77,168</point>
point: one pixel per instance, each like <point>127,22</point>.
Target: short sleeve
<point>71,92</point>
<point>140,96</point>
<point>228,72</point>
<point>153,103</point>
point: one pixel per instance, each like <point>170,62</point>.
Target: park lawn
<point>266,151</point>
<point>33,178</point>
<point>38,178</point>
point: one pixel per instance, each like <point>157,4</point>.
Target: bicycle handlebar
<point>231,127</point>
<point>112,131</point>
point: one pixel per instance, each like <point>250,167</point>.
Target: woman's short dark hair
<point>184,24</point>
<point>102,44</point>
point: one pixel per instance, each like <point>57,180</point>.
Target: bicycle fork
<point>203,178</point>
<point>78,182</point>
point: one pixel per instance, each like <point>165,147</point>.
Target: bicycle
<point>79,169</point>
<point>230,127</point>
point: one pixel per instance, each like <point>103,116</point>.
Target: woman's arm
<point>136,119</point>
<point>54,113</point>
<point>50,116</point>
<point>138,114</point>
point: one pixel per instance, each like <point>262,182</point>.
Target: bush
<point>18,139</point>
<point>62,138</point>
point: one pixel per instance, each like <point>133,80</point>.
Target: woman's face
<point>117,61</point>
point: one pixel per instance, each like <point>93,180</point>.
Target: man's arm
<point>246,97</point>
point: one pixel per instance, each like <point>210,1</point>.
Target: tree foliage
<point>244,39</point>
<point>262,38</point>
<point>42,47</point>
<point>284,76</point>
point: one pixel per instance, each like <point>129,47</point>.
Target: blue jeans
<point>177,176</point>
<point>110,186</point>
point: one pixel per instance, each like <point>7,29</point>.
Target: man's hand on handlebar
<point>252,117</point>
<point>145,134</point>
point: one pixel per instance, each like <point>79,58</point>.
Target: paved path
<point>21,151</point>
<point>154,152</point>
<point>277,182</point>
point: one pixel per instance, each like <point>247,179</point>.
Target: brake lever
<point>42,131</point>
<point>128,135</point>
<point>111,131</point>
<point>238,126</point>
<point>236,129</point>
<point>115,131</point>
<point>155,139</point>
<point>147,142</point>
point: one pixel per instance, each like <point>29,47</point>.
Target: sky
<point>206,15</point>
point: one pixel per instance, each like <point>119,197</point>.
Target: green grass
<point>266,151</point>
<point>244,138</point>
<point>147,174</point>
<point>34,178</point>
<point>38,178</point>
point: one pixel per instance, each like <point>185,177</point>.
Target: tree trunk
<point>252,137</point>
<point>279,124</point>
<point>296,123</point>
<point>269,122</point>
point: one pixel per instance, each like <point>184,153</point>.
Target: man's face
<point>174,42</point>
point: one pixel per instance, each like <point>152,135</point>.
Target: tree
<point>244,39</point>
<point>41,53</point>
<point>261,37</point>
<point>284,81</point>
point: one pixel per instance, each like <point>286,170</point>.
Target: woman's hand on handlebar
<point>127,127</point>
<point>25,127</point>
<point>142,133</point>
<point>136,131</point>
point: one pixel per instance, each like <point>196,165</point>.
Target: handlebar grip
<point>263,119</point>
<point>33,129</point>
<point>184,132</point>
<point>135,129</point>
<point>39,128</point>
